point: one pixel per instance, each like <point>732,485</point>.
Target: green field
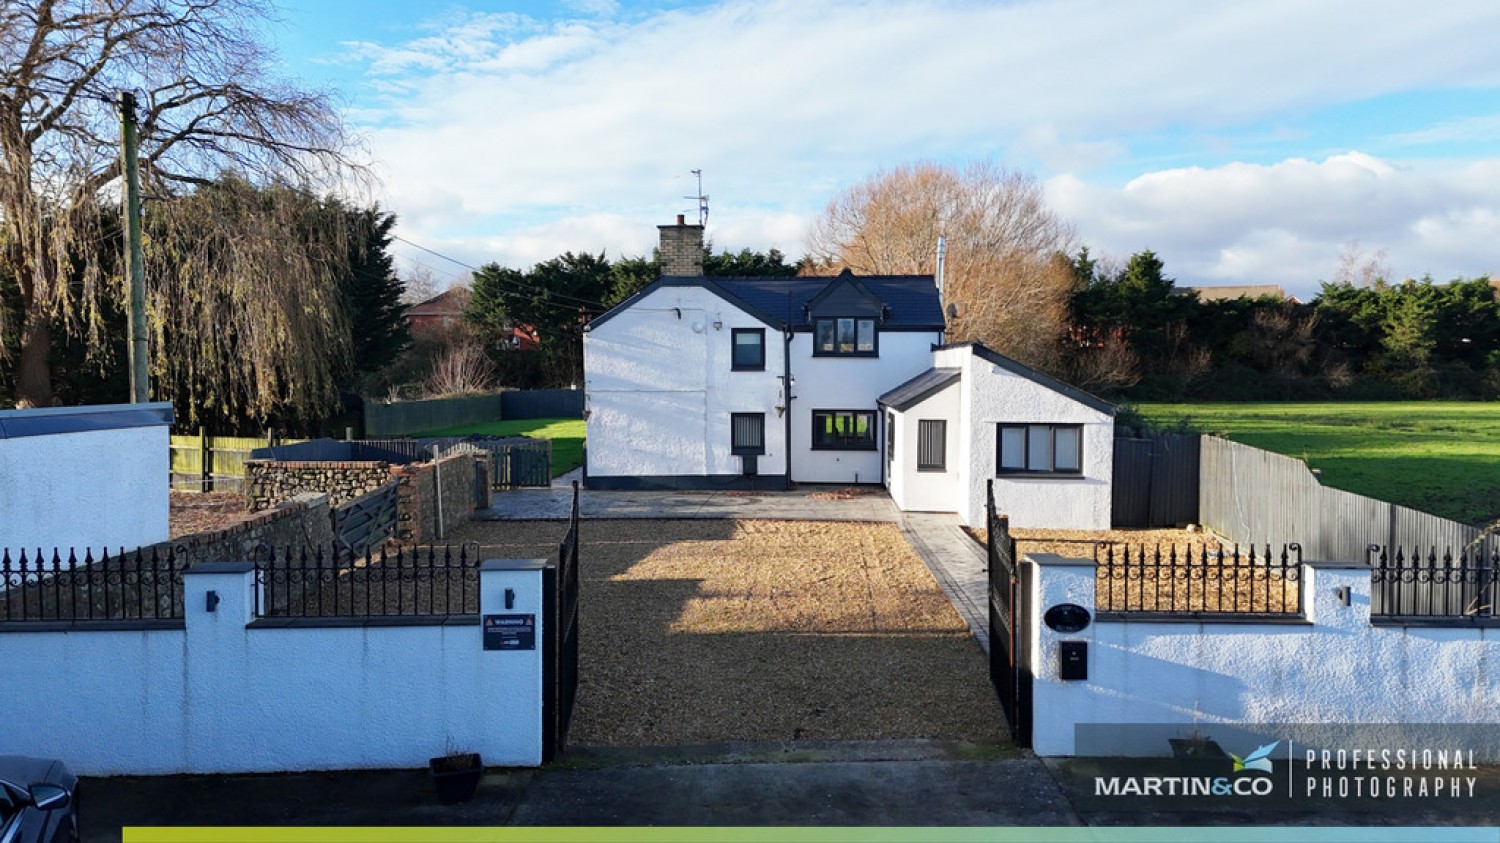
<point>1438,457</point>
<point>566,436</point>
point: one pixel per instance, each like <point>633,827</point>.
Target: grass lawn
<point>566,435</point>
<point>1438,457</point>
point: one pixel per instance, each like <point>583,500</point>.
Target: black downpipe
<point>786,384</point>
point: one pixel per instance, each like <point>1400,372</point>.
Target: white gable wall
<point>659,389</point>
<point>928,491</point>
<point>849,383</point>
<point>992,395</point>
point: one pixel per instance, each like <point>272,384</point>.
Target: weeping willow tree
<point>209,103</point>
<point>244,300</point>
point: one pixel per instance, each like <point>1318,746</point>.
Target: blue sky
<point>1244,142</point>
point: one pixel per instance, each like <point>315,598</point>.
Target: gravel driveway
<point>708,631</point>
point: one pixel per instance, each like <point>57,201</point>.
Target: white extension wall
<point>1334,667</point>
<point>849,383</point>
<point>660,390</point>
<point>992,395</point>
<point>928,491</point>
<point>215,695</point>
<point>84,477</point>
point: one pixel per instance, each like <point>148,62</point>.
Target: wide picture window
<point>843,430</point>
<point>1040,449</point>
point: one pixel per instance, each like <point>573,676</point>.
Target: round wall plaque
<point>1067,617</point>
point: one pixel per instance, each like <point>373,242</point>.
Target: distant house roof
<point>911,300</point>
<point>1229,292</point>
<point>920,388</point>
<point>450,302</point>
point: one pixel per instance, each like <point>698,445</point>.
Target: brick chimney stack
<point>681,248</point>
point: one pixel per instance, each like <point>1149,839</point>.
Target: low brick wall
<point>269,482</point>
<point>303,521</point>
<point>417,490</point>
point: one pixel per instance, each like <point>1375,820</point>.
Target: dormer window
<point>844,336</point>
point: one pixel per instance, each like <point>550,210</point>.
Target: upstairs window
<point>844,336</point>
<point>749,353</point>
<point>843,430</point>
<point>747,434</point>
<point>1039,449</point>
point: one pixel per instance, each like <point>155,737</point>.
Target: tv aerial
<point>702,200</point>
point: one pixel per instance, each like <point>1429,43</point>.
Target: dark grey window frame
<point>1028,470</point>
<point>747,450</point>
<point>872,443</point>
<point>924,447</point>
<point>874,336</point>
<point>734,347</point>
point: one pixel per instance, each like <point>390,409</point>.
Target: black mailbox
<point>1075,660</point>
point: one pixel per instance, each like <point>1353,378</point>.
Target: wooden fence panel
<point>1248,494</point>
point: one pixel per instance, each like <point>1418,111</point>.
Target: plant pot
<point>456,777</point>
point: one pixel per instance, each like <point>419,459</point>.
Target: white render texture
<point>85,489</point>
<point>928,491</point>
<point>992,395</point>
<point>660,390</point>
<point>1337,669</point>
<point>218,697</point>
<point>849,383</point>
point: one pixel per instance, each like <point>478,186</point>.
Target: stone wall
<point>417,500</point>
<point>303,521</point>
<point>269,482</point>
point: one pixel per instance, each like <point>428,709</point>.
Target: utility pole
<point>135,268</point>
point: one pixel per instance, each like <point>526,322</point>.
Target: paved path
<point>958,563</point>
<point>804,504</point>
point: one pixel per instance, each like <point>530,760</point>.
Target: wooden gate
<point>1009,672</point>
<point>560,641</point>
<point>1155,480</point>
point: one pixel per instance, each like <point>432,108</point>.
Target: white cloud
<point>1286,223</point>
<point>579,133</point>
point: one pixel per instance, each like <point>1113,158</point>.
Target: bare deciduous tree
<point>208,104</point>
<point>460,368</point>
<point>1001,267</point>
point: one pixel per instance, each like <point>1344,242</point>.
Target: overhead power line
<point>555,298</point>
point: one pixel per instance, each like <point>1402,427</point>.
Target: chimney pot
<point>681,219</point>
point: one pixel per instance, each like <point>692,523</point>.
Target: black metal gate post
<point>560,641</point>
<point>1009,635</point>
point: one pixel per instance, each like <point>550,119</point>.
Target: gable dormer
<point>845,317</point>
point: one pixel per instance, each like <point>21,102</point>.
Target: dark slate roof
<point>920,388</point>
<point>912,300</point>
<point>1085,398</point>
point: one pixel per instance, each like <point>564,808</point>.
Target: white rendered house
<point>758,382</point>
<point>977,416</point>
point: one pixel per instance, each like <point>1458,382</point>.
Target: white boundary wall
<point>99,479</point>
<point>217,696</point>
<point>1334,667</point>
